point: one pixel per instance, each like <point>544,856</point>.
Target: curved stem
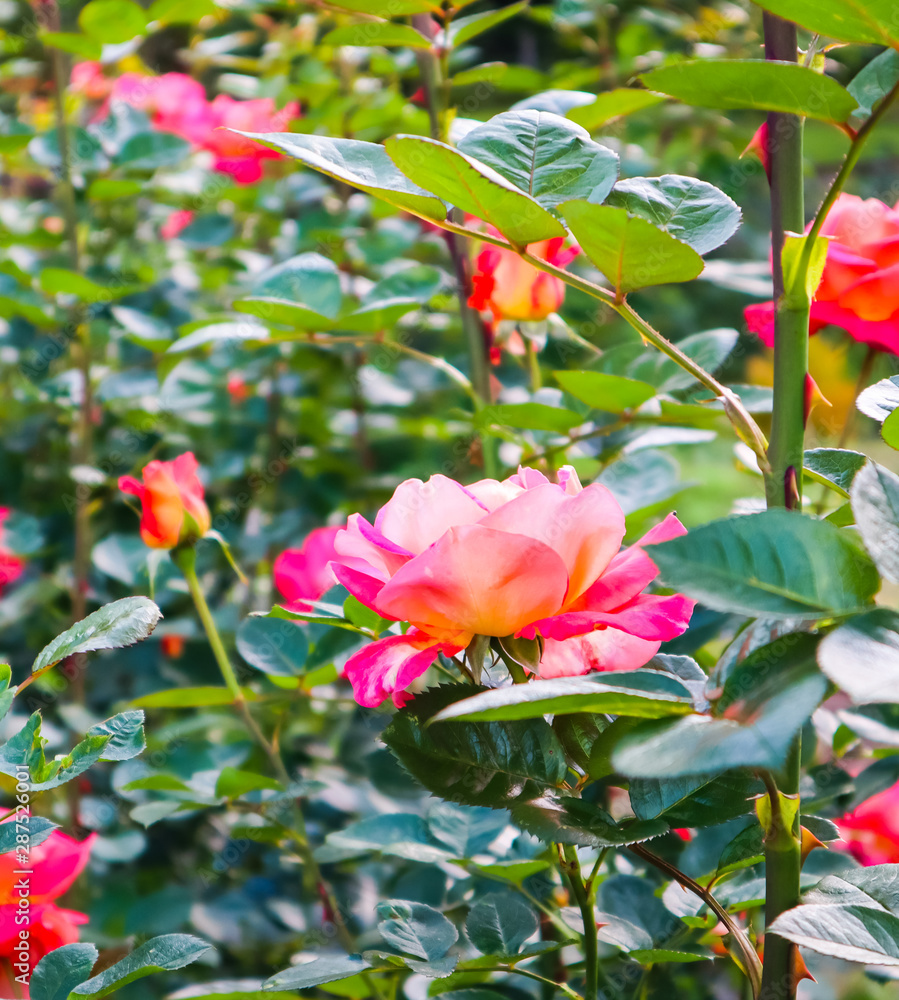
<point>562,987</point>
<point>571,866</point>
<point>186,560</point>
<point>750,957</point>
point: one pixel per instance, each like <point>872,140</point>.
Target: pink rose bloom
<point>859,290</point>
<point>11,566</point>
<point>54,864</point>
<point>871,831</point>
<point>235,154</point>
<point>304,574</point>
<point>523,557</point>
<point>89,79</point>
<point>177,221</point>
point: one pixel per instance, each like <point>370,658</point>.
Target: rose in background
<point>177,103</point>
<point>11,566</point>
<point>304,574</point>
<point>524,557</point>
<point>54,864</point>
<point>173,509</point>
<point>859,289</point>
<point>871,831</point>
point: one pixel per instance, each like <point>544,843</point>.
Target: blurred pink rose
<point>871,831</point>
<point>54,865</point>
<point>11,566</point>
<point>304,574</point>
<point>859,290</point>
<point>177,221</point>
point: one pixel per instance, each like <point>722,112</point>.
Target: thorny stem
<point>186,559</point>
<point>750,957</point>
<point>572,868</point>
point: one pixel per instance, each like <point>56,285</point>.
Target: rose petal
<point>605,649</point>
<point>388,666</point>
<point>419,513</point>
<point>478,580</point>
<point>649,616</point>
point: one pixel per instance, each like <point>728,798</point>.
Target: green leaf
<point>61,970</point>
<point>149,150</point>
<point>402,835</point>
<point>416,929</point>
<point>473,187</point>
<point>309,280</point>
<point>58,281</point>
<point>33,830</point>
<point>800,281</point>
<point>475,763</point>
<point>398,8</point>
<point>776,564</point>
<point>530,416</point>
<point>567,820</point>
<point>879,400</point>
<point>273,646</point>
<point>631,252</point>
<point>122,623</point>
<point>110,189</point>
<point>180,11</point>
<point>219,333</point>
<point>862,657</point>
<point>549,158</point>
<point>324,968</point>
<point>126,735</point>
<point>871,21</point>
<point>693,211</point>
<point>747,848</point>
<point>613,104</point>
<point>645,693</point>
<point>837,465</point>
<point>231,783</point>
<point>889,431</point>
<point>363,165</point>
<point>874,81</point>
<point>875,504</point>
<point>766,700</point>
<point>876,886</point>
<point>851,933</point>
<point>191,697</point>
<point>692,800</point>
<point>500,923</point>
<point>75,44</point>
<point>463,29</point>
<point>159,954</point>
<point>609,393</point>
<point>112,21</point>
<point>754,83</point>
<point>649,956</point>
<point>377,33</point>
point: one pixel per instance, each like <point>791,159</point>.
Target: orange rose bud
<point>172,646</point>
<point>172,505</point>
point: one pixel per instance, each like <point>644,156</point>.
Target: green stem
<point>572,868</point>
<point>783,482</point>
<point>783,862</point>
<point>186,560</point>
<point>533,356</point>
<point>562,987</point>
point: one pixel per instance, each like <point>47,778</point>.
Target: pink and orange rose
<point>510,288</point>
<point>173,508</point>
<point>871,831</point>
<point>524,557</point>
<point>11,566</point>
<point>859,290</point>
